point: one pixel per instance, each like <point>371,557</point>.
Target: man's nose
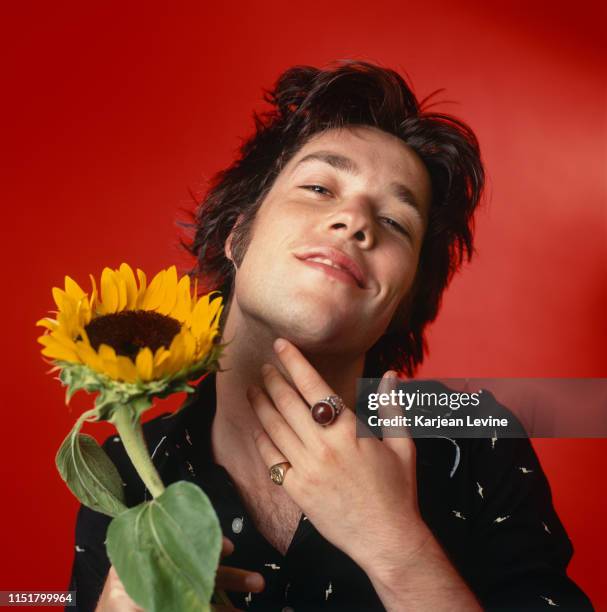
<point>354,221</point>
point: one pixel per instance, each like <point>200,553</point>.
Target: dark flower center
<point>127,332</point>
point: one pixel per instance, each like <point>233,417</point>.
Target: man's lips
<point>335,263</point>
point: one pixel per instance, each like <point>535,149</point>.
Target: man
<point>332,238</point>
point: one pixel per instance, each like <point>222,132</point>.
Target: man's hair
<point>307,101</point>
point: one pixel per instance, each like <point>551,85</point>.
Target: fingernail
<point>280,345</point>
<point>254,582</point>
<point>390,374</point>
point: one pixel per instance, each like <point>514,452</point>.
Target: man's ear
<point>227,248</point>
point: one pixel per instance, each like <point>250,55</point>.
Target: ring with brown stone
<point>326,410</point>
<point>278,471</point>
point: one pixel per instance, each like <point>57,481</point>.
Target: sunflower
<point>130,332</point>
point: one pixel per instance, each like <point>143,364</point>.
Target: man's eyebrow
<point>336,160</point>
<point>345,164</point>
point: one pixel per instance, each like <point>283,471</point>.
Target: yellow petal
<point>122,294</point>
<point>145,364</point>
<point>109,292</point>
<point>89,356</point>
<point>108,361</point>
<point>110,368</point>
<point>64,302</point>
<point>177,355</point>
<point>183,304</point>
<point>131,286</point>
<point>48,323</point>
<point>142,287</point>
<point>203,346</point>
<point>57,350</point>
<point>162,363</point>
<point>68,323</point>
<point>106,352</point>
<point>161,356</point>
<point>169,290</point>
<point>72,288</point>
<point>83,312</point>
<point>126,369</point>
<point>93,300</point>
<point>154,294</point>
<point>205,315</point>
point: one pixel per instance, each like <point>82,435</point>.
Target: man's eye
<point>317,189</point>
<point>397,226</point>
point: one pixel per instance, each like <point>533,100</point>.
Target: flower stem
<point>131,435</point>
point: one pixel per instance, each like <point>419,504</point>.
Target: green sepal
<point>111,394</point>
<point>166,551</point>
<point>88,472</point>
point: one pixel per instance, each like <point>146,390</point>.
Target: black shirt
<point>487,501</point>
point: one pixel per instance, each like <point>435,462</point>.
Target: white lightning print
<point>272,566</point>
<point>525,470</point>
<point>494,439</point>
<point>479,489</point>
<point>190,468</point>
<point>501,519</point>
<point>546,528</point>
<point>248,599</point>
<point>158,446</point>
<point>78,549</point>
<point>550,602</point>
<point>328,591</point>
<point>187,437</point>
<point>459,515</point>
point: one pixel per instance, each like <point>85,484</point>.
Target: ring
<point>326,410</point>
<point>278,471</point>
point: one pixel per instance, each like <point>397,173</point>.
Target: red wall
<point>116,109</point>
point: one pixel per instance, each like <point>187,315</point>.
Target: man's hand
<point>360,493</point>
<point>345,485</point>
<point>114,597</point>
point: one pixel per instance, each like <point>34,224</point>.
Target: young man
<point>332,238</point>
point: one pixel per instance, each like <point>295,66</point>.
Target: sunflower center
<point>128,331</point>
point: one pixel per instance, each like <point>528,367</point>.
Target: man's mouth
<point>335,264</point>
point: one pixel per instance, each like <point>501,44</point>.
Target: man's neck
<point>250,346</point>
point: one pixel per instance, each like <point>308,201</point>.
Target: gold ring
<point>278,471</point>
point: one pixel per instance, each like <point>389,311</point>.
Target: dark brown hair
<point>306,101</point>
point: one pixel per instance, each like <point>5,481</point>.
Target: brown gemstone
<point>128,331</point>
<point>323,412</point>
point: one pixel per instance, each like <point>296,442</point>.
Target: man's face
<point>336,242</point>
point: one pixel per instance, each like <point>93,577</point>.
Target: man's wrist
<point>419,575</point>
<point>401,554</point>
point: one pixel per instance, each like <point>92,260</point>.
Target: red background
<point>112,111</point>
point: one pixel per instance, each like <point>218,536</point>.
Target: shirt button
<point>237,525</point>
<point>288,609</point>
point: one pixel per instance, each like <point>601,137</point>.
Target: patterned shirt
<point>487,501</point>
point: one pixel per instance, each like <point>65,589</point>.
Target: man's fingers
<point>390,408</point>
<point>114,597</point>
<point>227,547</point>
<point>236,579</point>
<point>395,432</point>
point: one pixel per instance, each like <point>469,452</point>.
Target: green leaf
<point>166,551</point>
<point>89,473</point>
